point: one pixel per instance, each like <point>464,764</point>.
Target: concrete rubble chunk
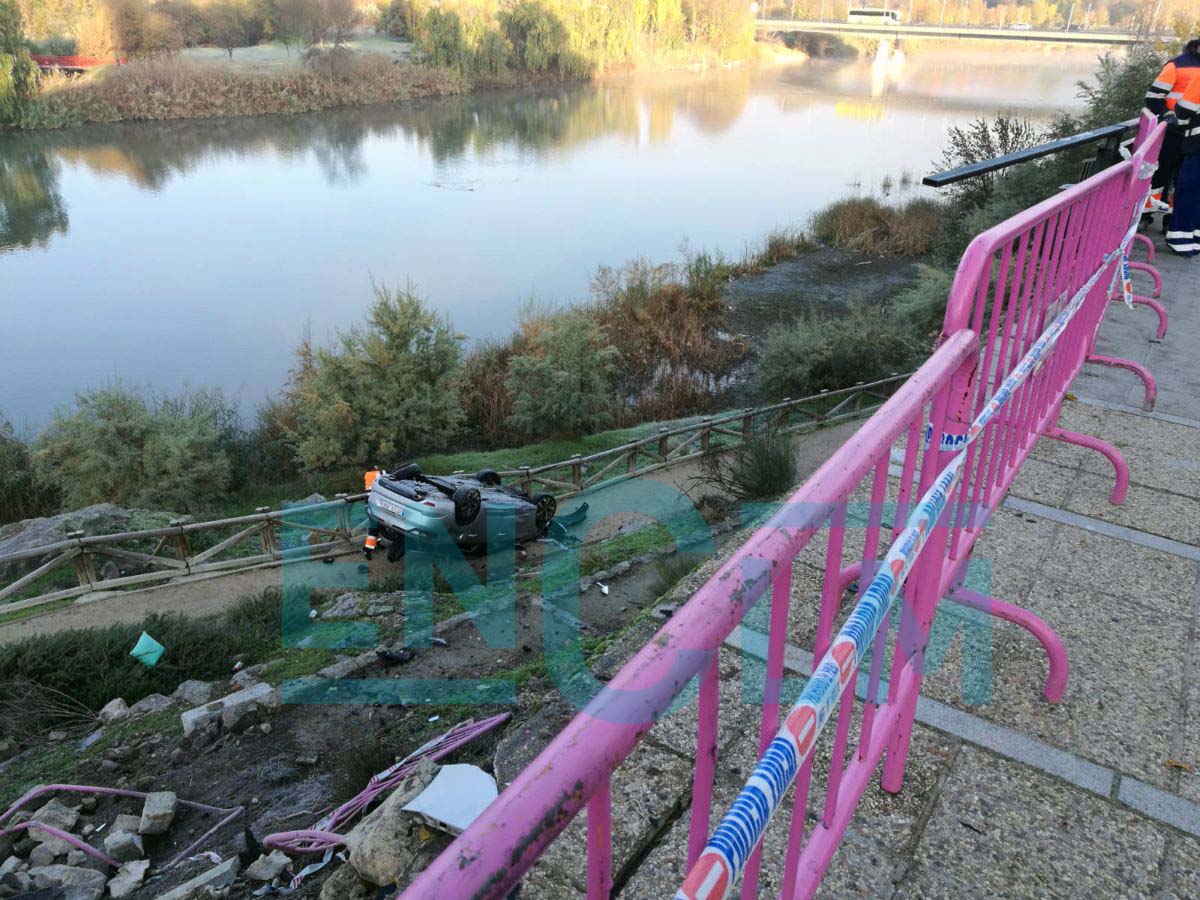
<point>42,855</point>
<point>18,884</point>
<point>12,864</point>
<point>193,692</point>
<point>128,879</point>
<point>382,846</point>
<point>268,867</point>
<point>124,846</point>
<point>344,668</point>
<point>343,607</point>
<point>126,822</point>
<point>206,882</point>
<point>78,883</point>
<point>202,716</point>
<point>114,711</point>
<point>158,812</point>
<point>155,703</point>
<point>55,814</point>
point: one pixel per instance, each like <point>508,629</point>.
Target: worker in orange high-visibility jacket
<point>372,539</point>
<point>1162,97</point>
<point>1183,230</point>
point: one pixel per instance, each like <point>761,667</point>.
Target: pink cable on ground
<point>229,815</point>
<point>323,836</point>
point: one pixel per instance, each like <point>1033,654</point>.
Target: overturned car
<point>469,511</point>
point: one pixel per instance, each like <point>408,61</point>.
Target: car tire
<point>395,549</point>
<point>545,507</point>
<point>412,470</point>
<point>488,477</point>
<point>467,505</point>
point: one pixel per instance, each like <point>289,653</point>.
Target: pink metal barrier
<point>1021,322</point>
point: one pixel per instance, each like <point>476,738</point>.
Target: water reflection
<point>534,124</point>
<point>199,252</point>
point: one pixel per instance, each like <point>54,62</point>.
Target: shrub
<point>122,447</point>
<point>483,392</point>
<point>93,666</point>
<point>539,39</point>
<point>22,494</point>
<point>386,392</point>
<point>818,352</point>
<point>761,467</point>
<point>396,19</point>
<point>866,225</point>
<point>562,385</point>
<point>442,41</point>
<point>983,139</point>
<point>1118,90</point>
<point>18,74</point>
<point>921,308</point>
<point>725,25</point>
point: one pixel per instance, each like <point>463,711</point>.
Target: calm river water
<point>198,253</point>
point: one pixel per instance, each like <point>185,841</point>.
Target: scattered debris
<point>390,657</point>
<point>345,606</point>
<point>158,812</point>
<point>147,651</point>
<point>455,798</point>
<point>154,703</point>
<point>79,883</point>
<point>1182,766</point>
<point>268,867</point>
<point>91,739</point>
<point>114,711</point>
<point>260,695</point>
<point>381,846</point>
<point>124,846</point>
<point>193,693</point>
<point>207,882</point>
<point>603,588</point>
<point>128,878</point>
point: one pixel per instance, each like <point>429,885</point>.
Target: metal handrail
<point>1111,135</point>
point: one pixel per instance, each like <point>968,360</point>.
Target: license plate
<point>393,508</point>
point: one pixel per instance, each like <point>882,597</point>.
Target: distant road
<point>964,32</point>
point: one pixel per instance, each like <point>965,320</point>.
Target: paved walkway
<point>1006,794</point>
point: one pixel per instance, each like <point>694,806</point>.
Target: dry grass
<point>866,225</point>
<point>167,88</point>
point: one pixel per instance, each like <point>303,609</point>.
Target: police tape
<point>724,857</point>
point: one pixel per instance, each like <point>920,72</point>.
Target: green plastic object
<point>147,651</point>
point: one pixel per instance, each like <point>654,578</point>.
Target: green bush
<point>921,308</point>
<point>22,494</point>
<point>981,140</point>
<point>396,19</point>
<point>386,393</point>
<point>762,467</point>
<point>18,74</point>
<point>539,38</point>
<point>442,41</point>
<point>563,384</point>
<point>819,352</point>
<point>93,666</point>
<point>122,447</point>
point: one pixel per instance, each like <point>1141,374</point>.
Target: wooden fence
<point>192,550</point>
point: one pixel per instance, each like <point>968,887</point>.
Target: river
<point>200,252</point>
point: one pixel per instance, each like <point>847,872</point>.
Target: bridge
<point>957,32</point>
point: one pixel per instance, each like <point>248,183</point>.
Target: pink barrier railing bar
<point>1049,266</point>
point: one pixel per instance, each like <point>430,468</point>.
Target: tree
<point>226,28</point>
<point>18,74</point>
<point>288,21</point>
<point>563,386</point>
<point>119,446</point>
<point>384,394</point>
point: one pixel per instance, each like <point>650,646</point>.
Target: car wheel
<point>412,470</point>
<point>488,477</point>
<point>467,504</point>
<point>545,507</point>
<point>395,549</point>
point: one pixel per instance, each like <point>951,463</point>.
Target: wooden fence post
<point>705,434</point>
<point>747,423</point>
<point>631,456</point>
<point>785,413</point>
<point>526,480</point>
<point>577,471</point>
<point>664,442</point>
<point>85,570</point>
<point>182,550</point>
<point>343,516</point>
<point>266,532</point>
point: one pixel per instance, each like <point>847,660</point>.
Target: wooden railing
<point>191,550</point>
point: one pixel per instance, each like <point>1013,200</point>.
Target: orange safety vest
<point>1172,83</point>
<point>369,478</point>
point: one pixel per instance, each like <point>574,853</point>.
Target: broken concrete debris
<point>455,798</point>
<point>215,878</point>
<point>262,696</point>
<point>128,878</point>
<point>382,846</point>
<point>268,867</point>
<point>158,812</point>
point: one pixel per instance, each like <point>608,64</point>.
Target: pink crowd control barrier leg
<point>1145,241</point>
<point>1114,362</point>
<point>1114,456</point>
<point>1152,272</point>
<point>1056,681</point>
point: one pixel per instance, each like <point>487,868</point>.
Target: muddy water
<point>166,254</point>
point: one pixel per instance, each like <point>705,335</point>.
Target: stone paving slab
<point>1001,830</point>
<point>1146,509</point>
